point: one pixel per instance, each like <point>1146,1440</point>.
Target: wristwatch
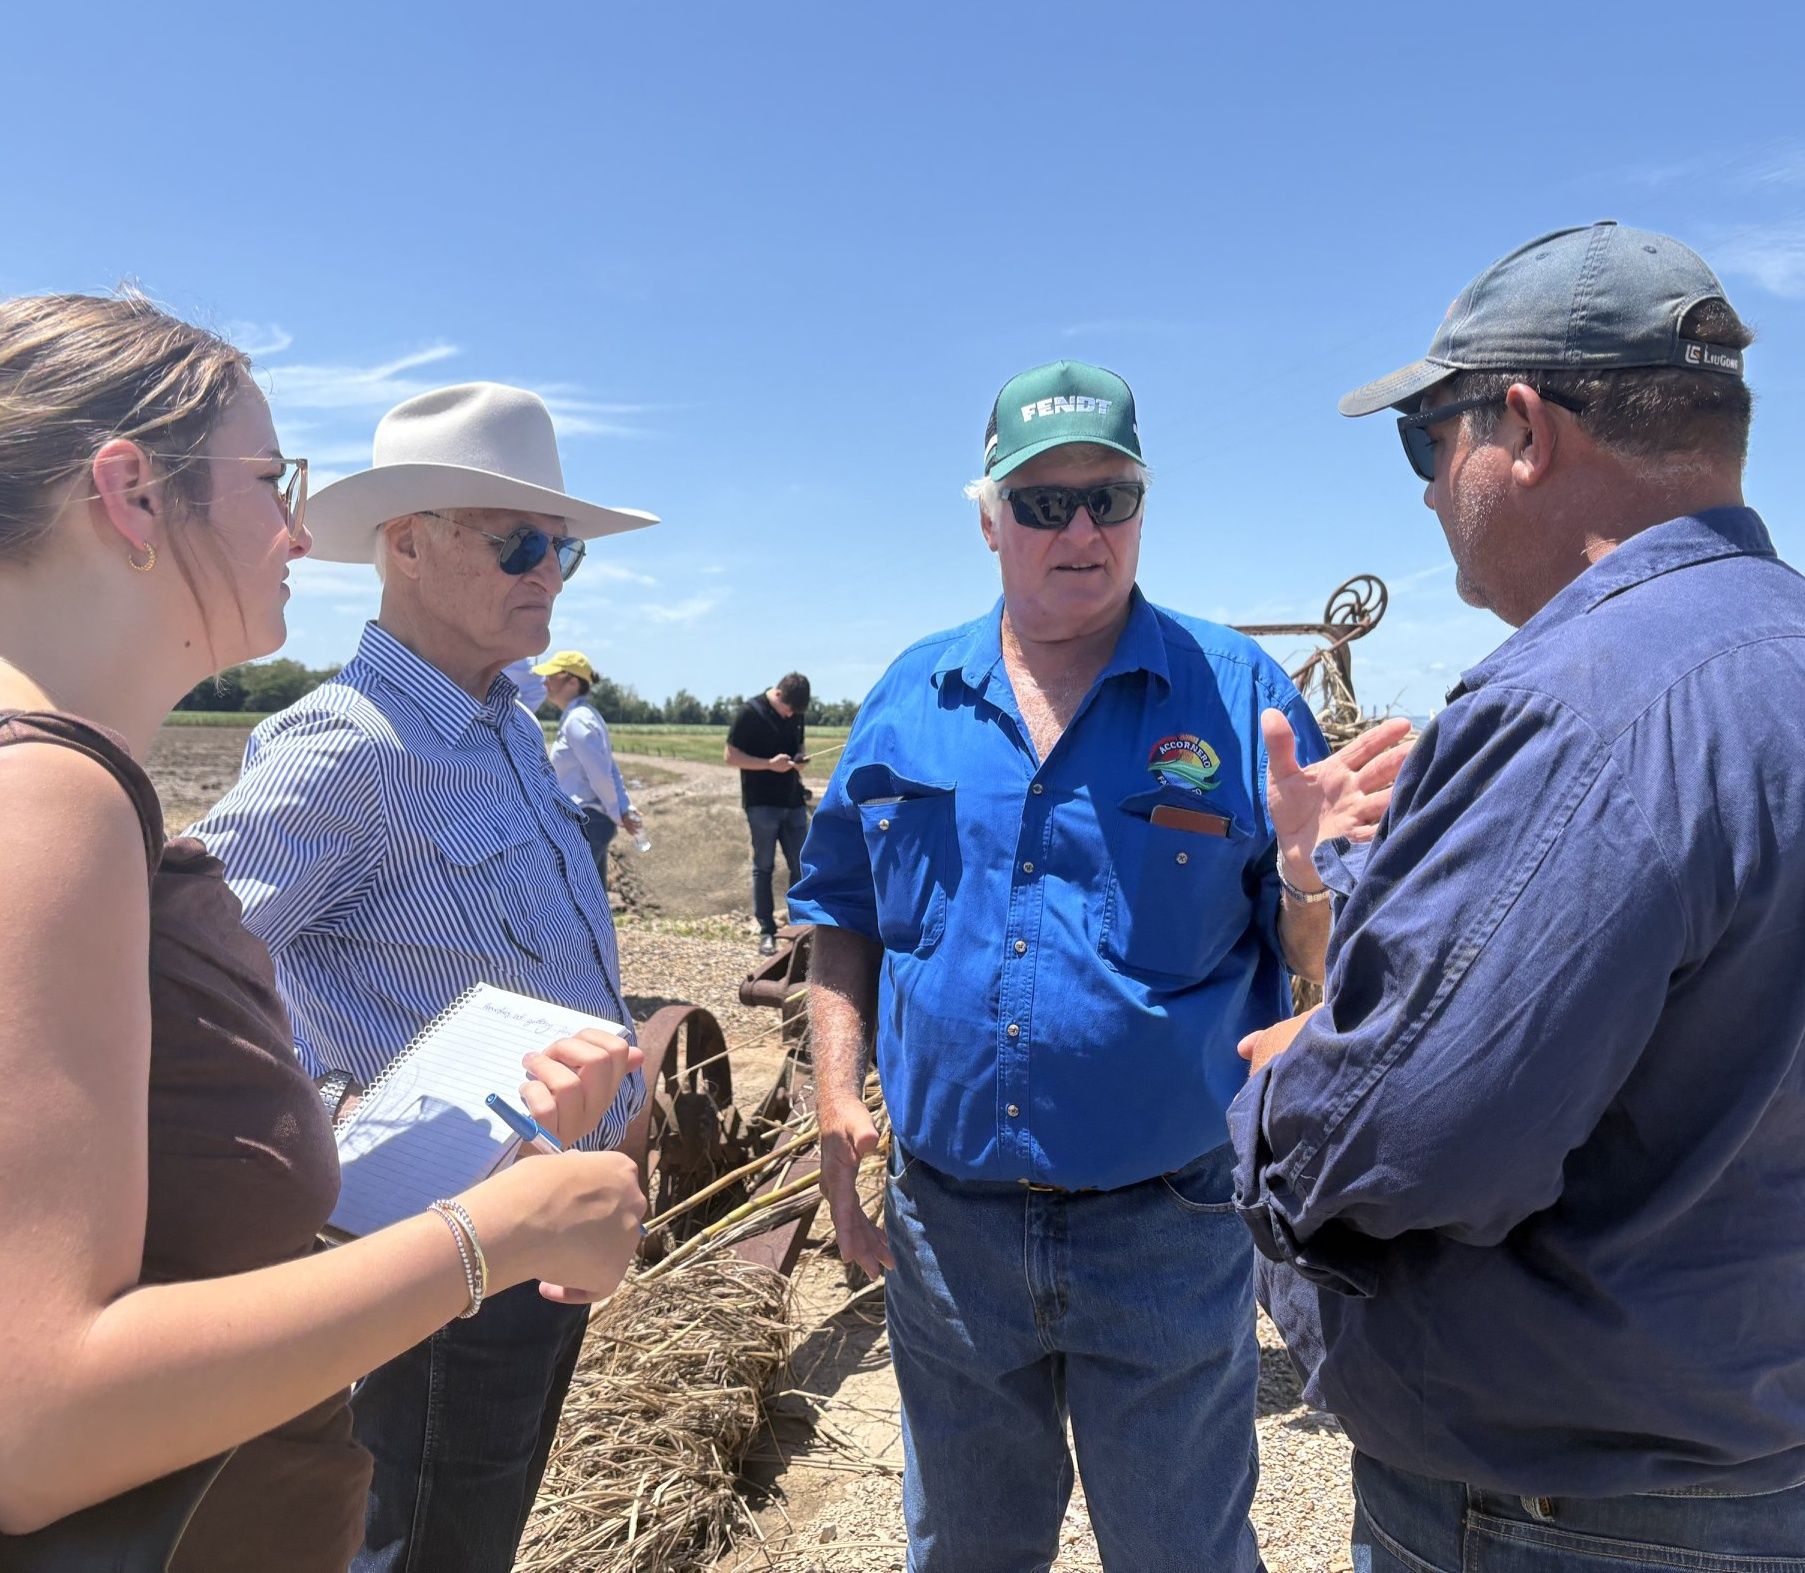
<point>1303,898</point>
<point>334,1086</point>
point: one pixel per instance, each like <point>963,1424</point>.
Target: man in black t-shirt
<point>766,744</point>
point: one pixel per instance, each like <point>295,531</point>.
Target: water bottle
<point>641,841</point>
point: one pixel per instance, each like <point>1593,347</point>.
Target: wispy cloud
<point>258,339</point>
<point>1421,576</point>
<point>354,389</point>
<point>1121,325</point>
<point>339,391</point>
<point>685,613</point>
<point>1779,162</point>
<point>594,573</point>
<point>1773,255</point>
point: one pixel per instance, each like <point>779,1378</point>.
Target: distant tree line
<point>264,686</point>
<point>260,687</point>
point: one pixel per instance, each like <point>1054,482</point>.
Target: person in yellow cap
<point>583,756</point>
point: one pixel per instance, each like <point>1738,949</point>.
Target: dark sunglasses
<point>1419,446</point>
<point>523,549</point>
<point>1052,507</point>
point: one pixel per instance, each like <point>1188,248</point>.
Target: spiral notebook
<point>422,1130</point>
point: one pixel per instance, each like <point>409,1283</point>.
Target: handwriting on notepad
<point>425,1130</point>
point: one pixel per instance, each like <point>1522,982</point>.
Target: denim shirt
<point>1535,1176</point>
<point>394,841</point>
<point>1064,980</point>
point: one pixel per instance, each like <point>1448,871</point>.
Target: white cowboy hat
<point>478,445</point>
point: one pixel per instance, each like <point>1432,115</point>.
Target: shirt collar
<point>1679,543</point>
<point>1141,647</point>
<point>447,708</point>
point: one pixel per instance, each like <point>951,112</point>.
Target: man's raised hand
<point>1343,795</point>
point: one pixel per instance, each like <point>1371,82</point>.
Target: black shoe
<point>767,944</point>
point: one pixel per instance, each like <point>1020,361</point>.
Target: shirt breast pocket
<point>1176,901</point>
<point>912,841</point>
<point>488,873</point>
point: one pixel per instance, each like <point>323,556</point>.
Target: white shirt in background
<point>583,760</point>
<point>531,685</point>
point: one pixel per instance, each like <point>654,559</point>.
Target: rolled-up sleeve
<point>836,889</point>
<point>301,831</point>
<point>1493,979</point>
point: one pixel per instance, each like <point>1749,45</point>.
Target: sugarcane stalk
<point>720,1226</point>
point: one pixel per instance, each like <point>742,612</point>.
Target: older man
<point>1536,1168</point>
<point>1053,888</point>
<point>398,836</point>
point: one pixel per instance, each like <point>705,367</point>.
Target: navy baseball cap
<point>1576,299</point>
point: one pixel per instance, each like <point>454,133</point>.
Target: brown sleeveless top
<point>243,1172</point>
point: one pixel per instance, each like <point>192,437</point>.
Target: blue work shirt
<point>1538,1167</point>
<point>1064,981</point>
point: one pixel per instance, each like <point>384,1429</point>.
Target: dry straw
<point>665,1401</point>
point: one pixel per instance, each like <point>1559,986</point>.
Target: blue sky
<point>770,264</point>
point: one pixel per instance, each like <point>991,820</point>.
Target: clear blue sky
<point>772,262</point>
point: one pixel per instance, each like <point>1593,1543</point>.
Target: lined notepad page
<point>424,1131</point>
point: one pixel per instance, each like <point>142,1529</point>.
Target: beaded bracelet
<point>476,1268</point>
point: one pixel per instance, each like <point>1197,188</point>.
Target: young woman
<point>164,1163</point>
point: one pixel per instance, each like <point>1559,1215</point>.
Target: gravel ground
<point>834,1502</point>
<point>854,1524</point>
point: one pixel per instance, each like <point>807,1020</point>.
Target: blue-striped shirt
<point>393,842</point>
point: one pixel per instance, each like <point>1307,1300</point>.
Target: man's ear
<point>128,493</point>
<point>406,540</point>
<point>1536,436</point>
<point>988,526</point>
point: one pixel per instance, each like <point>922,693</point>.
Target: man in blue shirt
<point>1049,879</point>
<point>1534,1176</point>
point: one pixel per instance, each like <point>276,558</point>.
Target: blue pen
<point>524,1126</point>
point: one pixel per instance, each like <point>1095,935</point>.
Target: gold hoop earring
<point>150,558</point>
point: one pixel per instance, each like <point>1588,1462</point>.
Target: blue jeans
<point>1405,1523</point>
<point>769,827</point>
<point>460,1427</point>
<point>1131,1310</point>
<point>598,831</point>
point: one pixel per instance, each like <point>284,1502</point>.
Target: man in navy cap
<point>1056,887</point>
<point>1534,1176</point>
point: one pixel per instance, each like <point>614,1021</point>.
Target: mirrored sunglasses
<point>1053,507</point>
<point>523,548</point>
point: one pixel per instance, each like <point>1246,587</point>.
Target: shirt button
<point>883,824</point>
<point>1027,868</point>
<point>1014,1030</point>
<point>1184,857</point>
<point>1021,947</point>
<point>1014,1113</point>
<point>1037,789</point>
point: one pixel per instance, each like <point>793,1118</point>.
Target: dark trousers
<point>598,831</point>
<point>1405,1523</point>
<point>460,1427</point>
<point>771,826</point>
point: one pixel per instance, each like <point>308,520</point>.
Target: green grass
<point>704,744</point>
<point>244,718</point>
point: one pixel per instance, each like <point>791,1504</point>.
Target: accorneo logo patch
<point>1186,761</point>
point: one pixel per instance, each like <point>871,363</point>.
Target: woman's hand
<point>569,1219</point>
<point>575,1081</point>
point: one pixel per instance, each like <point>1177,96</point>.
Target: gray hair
<point>986,491</point>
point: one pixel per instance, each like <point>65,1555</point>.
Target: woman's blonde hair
<point>77,371</point>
